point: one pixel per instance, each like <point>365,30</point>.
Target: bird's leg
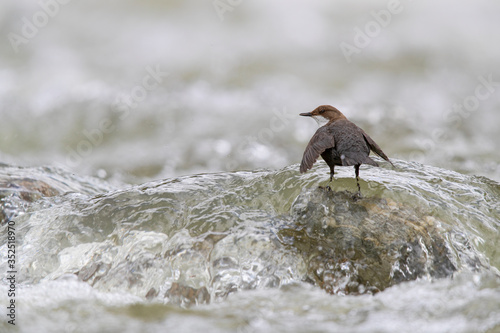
<point>356,170</point>
<point>332,171</point>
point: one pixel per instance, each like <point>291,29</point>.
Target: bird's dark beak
<point>306,114</point>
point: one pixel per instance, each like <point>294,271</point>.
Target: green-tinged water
<point>256,251</point>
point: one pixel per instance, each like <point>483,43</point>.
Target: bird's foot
<point>357,196</point>
<point>326,188</point>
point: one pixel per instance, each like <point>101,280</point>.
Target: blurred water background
<point>118,93</point>
<point>227,72</point>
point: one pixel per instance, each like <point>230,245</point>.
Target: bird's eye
<point>322,111</point>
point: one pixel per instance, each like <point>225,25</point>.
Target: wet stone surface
<point>186,296</point>
<point>16,193</point>
<point>365,245</point>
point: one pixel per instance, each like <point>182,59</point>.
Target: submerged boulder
<point>366,245</point>
<point>21,187</point>
<point>17,193</point>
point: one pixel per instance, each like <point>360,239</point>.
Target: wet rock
<point>16,193</point>
<point>88,272</point>
<point>366,245</point>
<point>20,187</point>
<point>152,293</point>
<point>186,296</point>
<point>27,189</point>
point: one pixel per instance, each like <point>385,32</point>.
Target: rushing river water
<point>149,166</point>
<point>255,251</point>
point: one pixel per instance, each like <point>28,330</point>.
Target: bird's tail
<point>368,160</point>
<point>356,159</point>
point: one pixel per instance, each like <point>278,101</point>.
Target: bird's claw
<point>357,196</point>
<point>327,188</point>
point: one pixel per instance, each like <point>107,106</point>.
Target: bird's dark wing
<point>375,148</point>
<point>321,141</point>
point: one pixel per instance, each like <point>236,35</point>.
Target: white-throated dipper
<point>339,142</point>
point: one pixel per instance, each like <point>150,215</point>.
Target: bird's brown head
<point>326,111</point>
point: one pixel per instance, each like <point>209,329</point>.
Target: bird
<point>339,142</point>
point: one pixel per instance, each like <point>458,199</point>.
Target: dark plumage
<point>340,142</point>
